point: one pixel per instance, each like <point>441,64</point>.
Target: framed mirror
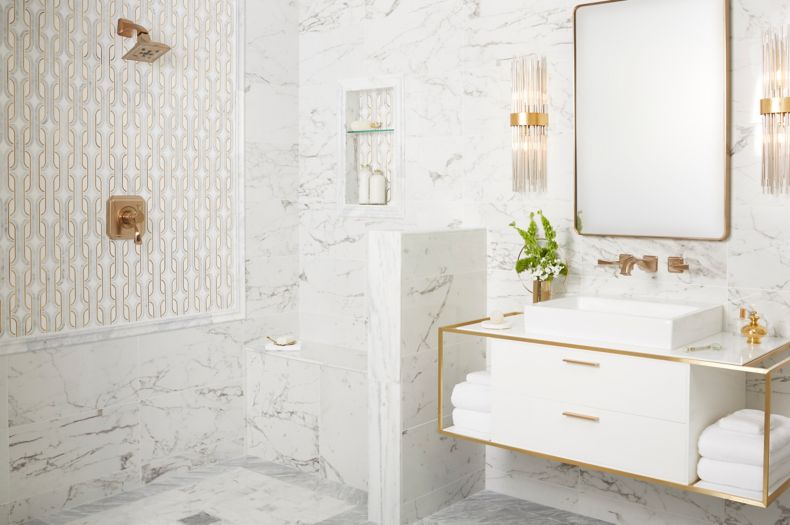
<point>652,119</point>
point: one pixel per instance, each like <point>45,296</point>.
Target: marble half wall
<point>418,282</point>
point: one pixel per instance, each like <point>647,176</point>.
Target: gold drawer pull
<point>582,363</point>
<point>594,419</point>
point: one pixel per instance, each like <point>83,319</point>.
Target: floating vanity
<point>621,386</point>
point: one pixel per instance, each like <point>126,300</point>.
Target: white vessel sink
<point>623,321</point>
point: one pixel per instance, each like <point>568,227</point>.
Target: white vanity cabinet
<point>631,414</point>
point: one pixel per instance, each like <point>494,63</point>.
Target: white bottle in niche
<point>378,188</point>
<point>363,181</point>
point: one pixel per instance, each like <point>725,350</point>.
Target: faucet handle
<point>677,265</point>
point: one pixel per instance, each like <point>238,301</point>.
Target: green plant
<point>540,259</point>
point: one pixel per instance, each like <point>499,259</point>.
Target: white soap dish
<point>488,325</point>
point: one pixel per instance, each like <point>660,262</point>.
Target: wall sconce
<point>529,122</point>
<point>775,111</point>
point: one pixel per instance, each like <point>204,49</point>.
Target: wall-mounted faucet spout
<point>626,263</point>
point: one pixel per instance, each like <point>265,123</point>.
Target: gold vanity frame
<point>727,135</point>
<point>750,367</point>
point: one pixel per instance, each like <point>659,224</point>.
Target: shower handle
<point>129,217</point>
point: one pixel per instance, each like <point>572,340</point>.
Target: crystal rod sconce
<point>529,121</point>
<point>775,111</point>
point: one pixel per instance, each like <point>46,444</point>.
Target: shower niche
<point>371,148</point>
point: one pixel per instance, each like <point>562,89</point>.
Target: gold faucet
<point>677,265</point>
<point>754,331</point>
<point>626,263</point>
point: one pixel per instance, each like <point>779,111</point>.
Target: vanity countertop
<point>734,349</point>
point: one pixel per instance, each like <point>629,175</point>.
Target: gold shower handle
<point>129,217</point>
<point>126,218</point>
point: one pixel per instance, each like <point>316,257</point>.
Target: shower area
<point>128,281</point>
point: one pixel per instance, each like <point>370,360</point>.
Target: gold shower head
<point>144,50</point>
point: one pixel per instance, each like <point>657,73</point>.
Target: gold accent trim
<point>764,503</point>
<point>769,106</point>
<point>727,137</point>
<point>585,417</point>
<point>750,366</point>
<point>582,363</point>
<point>529,119</point>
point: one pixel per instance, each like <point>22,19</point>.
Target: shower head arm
<point>127,28</point>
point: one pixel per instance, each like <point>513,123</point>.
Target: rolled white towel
<point>749,421</point>
<point>482,377</point>
<point>747,477</point>
<point>477,422</point>
<point>471,397</point>
<point>737,447</point>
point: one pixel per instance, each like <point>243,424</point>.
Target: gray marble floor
<point>253,492</point>
<point>490,508</point>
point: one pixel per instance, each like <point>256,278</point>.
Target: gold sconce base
<point>529,119</point>
<point>770,106</point>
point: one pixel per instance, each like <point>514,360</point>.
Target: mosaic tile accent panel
<point>79,124</point>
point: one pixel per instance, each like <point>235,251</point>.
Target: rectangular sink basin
<point>623,321</point>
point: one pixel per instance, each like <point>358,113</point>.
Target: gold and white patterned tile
<point>121,133</point>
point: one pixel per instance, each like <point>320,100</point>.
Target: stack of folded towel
<point>472,404</point>
<point>732,454</point>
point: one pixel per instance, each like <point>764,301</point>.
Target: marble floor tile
<point>491,508</point>
<point>249,490</point>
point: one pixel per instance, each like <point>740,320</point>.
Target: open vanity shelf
<point>602,406</point>
<point>371,148</point>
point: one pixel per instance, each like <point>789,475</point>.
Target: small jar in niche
<point>378,188</point>
<point>363,184</point>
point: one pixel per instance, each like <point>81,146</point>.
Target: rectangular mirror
<point>651,117</point>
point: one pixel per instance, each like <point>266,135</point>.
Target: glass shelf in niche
<point>366,131</point>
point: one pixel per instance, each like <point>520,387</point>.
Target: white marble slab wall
<point>91,420</point>
<point>418,282</point>
<point>308,410</point>
<point>82,421</point>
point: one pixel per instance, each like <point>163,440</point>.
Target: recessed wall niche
<point>79,124</point>
<point>370,179</point>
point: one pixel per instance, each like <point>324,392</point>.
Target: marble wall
<point>453,55</point>
<point>418,282</point>
<point>308,410</point>
<point>90,419</point>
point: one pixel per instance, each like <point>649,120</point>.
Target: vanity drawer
<point>639,445</point>
<point>640,386</point>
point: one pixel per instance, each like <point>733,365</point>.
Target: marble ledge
<point>116,331</point>
<point>318,354</point>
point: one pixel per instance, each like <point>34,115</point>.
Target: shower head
<point>145,50</point>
